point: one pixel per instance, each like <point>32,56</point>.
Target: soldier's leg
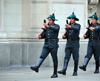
<point>99,59</point>
<point>99,56</point>
<point>96,56</point>
<point>45,52</point>
<point>66,60</point>
<point>75,52</point>
<point>87,58</point>
<point>55,61</point>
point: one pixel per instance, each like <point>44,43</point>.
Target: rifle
<point>87,27</point>
<point>66,28</point>
<point>89,24</point>
<point>43,29</point>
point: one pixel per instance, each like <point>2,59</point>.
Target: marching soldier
<point>50,45</point>
<point>72,45</point>
<point>93,44</point>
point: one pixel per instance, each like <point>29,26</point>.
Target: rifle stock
<point>66,29</point>
<point>43,29</point>
<point>87,27</point>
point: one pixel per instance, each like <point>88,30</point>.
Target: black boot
<point>75,68</point>
<point>85,64</point>
<point>55,70</point>
<point>63,71</point>
<point>97,67</point>
<point>36,68</point>
<point>99,61</point>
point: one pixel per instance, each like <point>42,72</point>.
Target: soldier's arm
<point>66,36</point>
<point>97,28</point>
<point>43,35</point>
<point>77,28</point>
<point>55,28</point>
<point>87,35</point>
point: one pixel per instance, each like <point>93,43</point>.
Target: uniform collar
<point>95,24</point>
<point>73,24</point>
<point>52,25</point>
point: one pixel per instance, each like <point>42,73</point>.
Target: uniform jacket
<point>93,35</point>
<point>73,33</point>
<point>51,36</point>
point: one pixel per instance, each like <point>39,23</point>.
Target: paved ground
<point>25,74</point>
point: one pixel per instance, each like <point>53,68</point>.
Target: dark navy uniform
<point>51,42</point>
<point>94,42</point>
<point>99,47</point>
<point>50,46</point>
<point>72,45</point>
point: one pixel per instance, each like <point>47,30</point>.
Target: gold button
<point>48,39</point>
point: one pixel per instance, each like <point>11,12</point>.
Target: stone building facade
<point>21,22</point>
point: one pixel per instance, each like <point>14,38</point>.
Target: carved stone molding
<point>93,2</point>
<point>91,6</point>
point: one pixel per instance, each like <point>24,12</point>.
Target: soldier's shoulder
<point>56,24</point>
<point>78,24</point>
<point>98,23</point>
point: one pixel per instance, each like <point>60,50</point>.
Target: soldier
<point>72,45</point>
<point>93,44</point>
<point>50,45</point>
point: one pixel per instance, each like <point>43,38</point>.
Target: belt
<point>94,38</point>
<point>73,39</point>
<point>52,40</point>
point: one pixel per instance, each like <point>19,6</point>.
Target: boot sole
<point>54,77</point>
<point>96,72</point>
<point>62,73</point>
<point>74,75</point>
<point>82,69</point>
<point>34,69</point>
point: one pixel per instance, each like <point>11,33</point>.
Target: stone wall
<point>27,54</point>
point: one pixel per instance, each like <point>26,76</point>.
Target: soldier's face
<point>72,21</point>
<point>94,21</point>
<point>50,21</point>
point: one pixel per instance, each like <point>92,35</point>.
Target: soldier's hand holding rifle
<point>92,28</point>
<point>45,25</point>
<point>84,36</point>
<point>67,26</point>
<point>63,36</point>
<point>39,36</point>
